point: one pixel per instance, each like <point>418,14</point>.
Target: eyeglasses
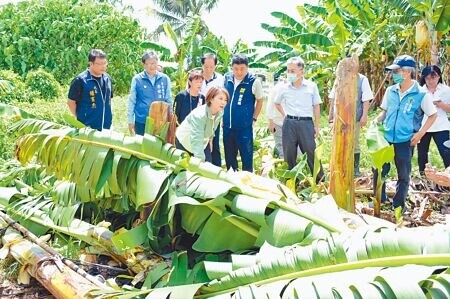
<point>101,63</point>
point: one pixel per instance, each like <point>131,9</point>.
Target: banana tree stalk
<point>341,164</point>
<point>48,269</point>
<point>26,233</point>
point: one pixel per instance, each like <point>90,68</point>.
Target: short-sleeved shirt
<point>299,101</point>
<point>272,112</point>
<point>76,88</point>
<point>366,91</point>
<point>442,123</point>
<point>185,103</point>
<point>216,80</point>
<point>427,105</point>
<point>257,88</point>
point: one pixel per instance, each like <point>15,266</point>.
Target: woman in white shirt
<point>431,81</point>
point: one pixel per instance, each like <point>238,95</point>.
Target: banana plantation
<point>102,214</point>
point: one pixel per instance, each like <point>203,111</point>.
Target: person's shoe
<point>398,212</point>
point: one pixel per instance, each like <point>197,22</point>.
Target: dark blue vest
<point>147,93</point>
<point>94,107</point>
<point>238,112</point>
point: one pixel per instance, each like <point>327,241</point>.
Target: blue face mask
<point>292,78</point>
<point>398,78</point>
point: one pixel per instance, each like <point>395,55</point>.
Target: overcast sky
<point>234,19</point>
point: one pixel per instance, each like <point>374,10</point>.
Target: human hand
<point>438,103</point>
<point>363,121</point>
<point>271,127</point>
<point>416,138</point>
<point>316,132</point>
<point>374,122</point>
<point>131,129</point>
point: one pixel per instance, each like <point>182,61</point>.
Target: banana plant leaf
<point>368,281</point>
<point>12,111</point>
<point>378,147</point>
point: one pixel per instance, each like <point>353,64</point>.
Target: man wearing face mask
<point>404,104</point>
<point>301,103</point>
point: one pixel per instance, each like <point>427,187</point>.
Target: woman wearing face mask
<point>431,81</point>
<point>195,133</point>
<point>402,103</point>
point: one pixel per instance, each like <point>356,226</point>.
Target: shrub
<point>44,84</point>
<point>13,88</point>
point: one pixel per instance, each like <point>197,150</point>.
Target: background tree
<point>57,35</point>
<point>324,33</point>
<point>179,14</point>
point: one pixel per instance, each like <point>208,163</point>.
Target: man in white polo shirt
<point>212,78</point>
<point>301,105</point>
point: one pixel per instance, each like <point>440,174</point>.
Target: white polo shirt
<point>442,93</point>
<point>299,101</point>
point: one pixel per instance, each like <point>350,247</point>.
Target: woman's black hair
<point>430,69</point>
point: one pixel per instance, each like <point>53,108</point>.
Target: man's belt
<point>298,117</point>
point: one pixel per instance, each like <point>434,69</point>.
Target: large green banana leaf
<point>425,279</point>
<point>121,173</point>
<point>377,261</point>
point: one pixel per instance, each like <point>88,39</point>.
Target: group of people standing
<point>234,99</point>
<point>411,114</point>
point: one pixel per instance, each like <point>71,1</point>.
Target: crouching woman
<point>195,133</point>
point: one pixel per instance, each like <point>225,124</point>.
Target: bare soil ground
<point>13,290</point>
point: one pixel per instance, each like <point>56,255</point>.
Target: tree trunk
<point>160,113</point>
<point>342,156</point>
<point>48,269</point>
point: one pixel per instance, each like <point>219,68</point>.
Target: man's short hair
<point>207,56</point>
<point>239,59</point>
<point>296,60</point>
<point>96,53</point>
<point>149,55</point>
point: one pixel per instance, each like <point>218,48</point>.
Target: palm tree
<point>178,13</point>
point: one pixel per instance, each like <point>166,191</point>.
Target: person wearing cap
<point>431,81</point>
<point>301,105</point>
<point>403,105</point>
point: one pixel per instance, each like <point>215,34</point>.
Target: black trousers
<point>299,133</point>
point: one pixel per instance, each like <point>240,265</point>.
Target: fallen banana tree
<point>61,277</point>
<point>410,263</point>
<point>99,237</point>
<point>222,211</point>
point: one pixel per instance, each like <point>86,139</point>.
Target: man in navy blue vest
<point>90,93</point>
<point>403,105</point>
<point>240,113</point>
<point>146,87</point>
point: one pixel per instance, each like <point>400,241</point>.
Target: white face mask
<point>292,78</point>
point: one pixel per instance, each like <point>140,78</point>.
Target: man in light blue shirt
<point>146,87</point>
<point>301,105</point>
